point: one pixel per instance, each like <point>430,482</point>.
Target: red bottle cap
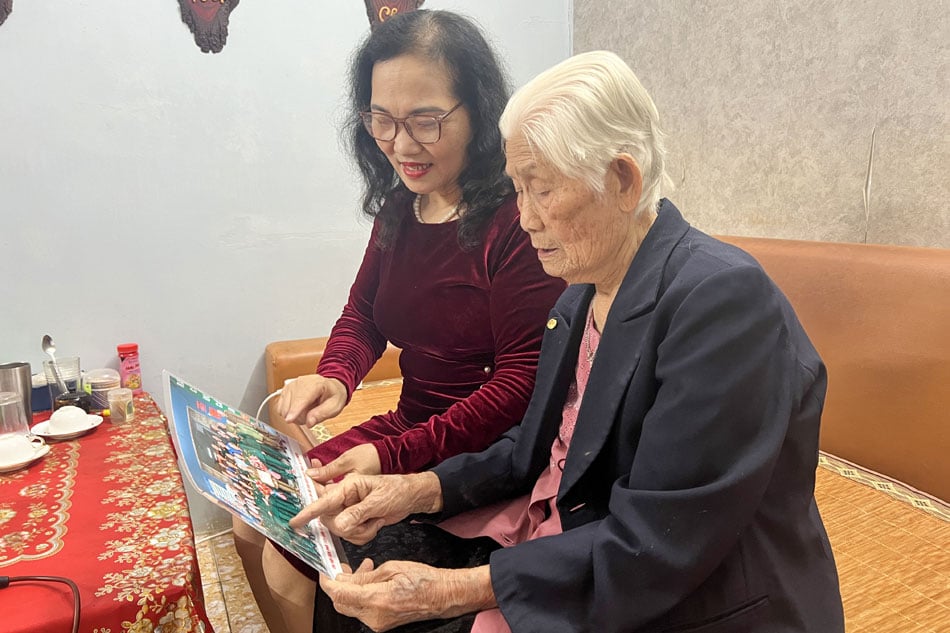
<point>127,348</point>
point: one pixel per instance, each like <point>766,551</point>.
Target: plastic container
<point>97,383</point>
<point>41,400</point>
<point>72,399</point>
<point>129,370</point>
<point>121,407</point>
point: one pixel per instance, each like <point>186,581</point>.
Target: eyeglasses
<point>422,128</point>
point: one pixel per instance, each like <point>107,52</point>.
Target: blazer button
<point>552,323</point>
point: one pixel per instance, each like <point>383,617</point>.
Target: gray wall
<point>196,204</point>
<point>770,107</point>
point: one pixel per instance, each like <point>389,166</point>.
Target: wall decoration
<point>380,10</point>
<point>6,7</point>
<point>208,21</point>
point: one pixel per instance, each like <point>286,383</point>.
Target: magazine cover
<point>248,468</point>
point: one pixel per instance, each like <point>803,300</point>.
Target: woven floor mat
<point>892,548</point>
<point>891,545</point>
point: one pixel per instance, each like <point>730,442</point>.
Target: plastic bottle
<point>129,370</point>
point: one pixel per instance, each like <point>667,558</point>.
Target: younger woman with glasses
<point>448,276</point>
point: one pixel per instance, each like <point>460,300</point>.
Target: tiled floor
<point>231,607</point>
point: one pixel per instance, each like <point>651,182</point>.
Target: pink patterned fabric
<point>531,516</point>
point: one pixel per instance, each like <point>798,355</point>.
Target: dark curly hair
<point>478,81</point>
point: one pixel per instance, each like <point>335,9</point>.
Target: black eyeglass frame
<point>367,118</point>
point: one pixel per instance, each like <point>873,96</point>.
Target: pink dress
<point>531,516</point>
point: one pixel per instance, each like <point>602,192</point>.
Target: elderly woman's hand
<point>399,592</point>
<point>357,507</point>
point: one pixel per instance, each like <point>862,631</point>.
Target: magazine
<point>248,468</point>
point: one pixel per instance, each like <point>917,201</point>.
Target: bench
<point>880,318</point>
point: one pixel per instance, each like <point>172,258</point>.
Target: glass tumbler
<point>12,419</point>
<point>18,446</point>
<point>65,373</point>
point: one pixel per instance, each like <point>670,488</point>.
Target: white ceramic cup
<point>16,449</point>
<point>68,419</point>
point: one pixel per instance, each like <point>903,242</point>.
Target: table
<point>107,510</point>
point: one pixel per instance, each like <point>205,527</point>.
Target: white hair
<point>582,113</point>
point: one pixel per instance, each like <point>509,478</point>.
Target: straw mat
<point>891,542</point>
<point>892,548</point>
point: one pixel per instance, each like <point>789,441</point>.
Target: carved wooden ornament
<point>6,7</point>
<point>379,11</point>
<point>208,21</point>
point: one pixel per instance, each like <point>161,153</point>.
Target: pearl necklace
<point>591,352</point>
<point>417,209</point>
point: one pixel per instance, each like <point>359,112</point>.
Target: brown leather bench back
<point>288,359</point>
<point>880,318</point>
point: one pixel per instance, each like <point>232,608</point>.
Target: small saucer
<point>40,452</point>
<point>42,429</point>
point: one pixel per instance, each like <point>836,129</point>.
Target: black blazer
<point>687,499</point>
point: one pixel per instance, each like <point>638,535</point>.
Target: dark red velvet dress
<point>469,323</point>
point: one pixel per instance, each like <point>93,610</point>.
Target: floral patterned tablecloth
<point>107,510</point>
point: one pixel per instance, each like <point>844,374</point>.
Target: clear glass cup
<point>68,373</point>
<point>18,446</point>
<point>12,419</point>
<point>16,377</point>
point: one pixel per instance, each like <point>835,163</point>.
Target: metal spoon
<point>50,349</point>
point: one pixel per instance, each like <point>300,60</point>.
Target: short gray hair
<point>582,113</point>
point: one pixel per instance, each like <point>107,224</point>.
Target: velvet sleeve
<point>521,296</point>
<point>355,342</point>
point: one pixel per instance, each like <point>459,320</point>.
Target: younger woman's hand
<point>359,460</point>
<point>311,399</point>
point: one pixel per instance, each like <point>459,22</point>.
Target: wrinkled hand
<point>357,507</point>
<point>399,592</point>
<point>359,460</point>
<point>318,397</point>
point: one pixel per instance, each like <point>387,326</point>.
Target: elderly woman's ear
<point>626,171</point>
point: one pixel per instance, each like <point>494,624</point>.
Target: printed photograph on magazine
<point>248,468</point>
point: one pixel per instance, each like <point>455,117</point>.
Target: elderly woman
<point>662,478</point>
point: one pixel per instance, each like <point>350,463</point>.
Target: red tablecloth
<point>107,510</point>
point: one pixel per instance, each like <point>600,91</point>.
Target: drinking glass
<point>12,419</point>
<point>68,370</point>
<point>18,446</point>
<point>16,377</point>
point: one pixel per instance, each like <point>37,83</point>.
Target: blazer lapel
<point>559,350</point>
<point>621,342</point>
